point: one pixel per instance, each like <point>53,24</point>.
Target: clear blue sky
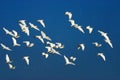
<point>100,14</point>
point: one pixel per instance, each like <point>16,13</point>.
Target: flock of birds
<point>52,48</point>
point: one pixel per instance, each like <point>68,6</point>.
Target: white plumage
<point>28,44</point>
<point>15,42</point>
<point>5,47</point>
<point>90,29</point>
<point>41,22</point>
<point>82,46</point>
<point>102,56</point>
<point>34,27</point>
<point>44,36</point>
<point>67,61</point>
<point>69,14</point>
<point>26,58</point>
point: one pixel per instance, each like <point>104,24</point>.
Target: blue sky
<point>101,15</point>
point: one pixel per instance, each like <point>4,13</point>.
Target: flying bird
<point>11,66</point>
<point>107,39</point>
<point>40,38</point>
<point>59,45</point>
<point>69,14</point>
<point>82,46</point>
<point>97,44</point>
<point>67,61</point>
<point>26,58</point>
<point>41,22</point>
<point>5,47</point>
<point>90,29</point>
<point>22,22</point>
<point>15,34</point>
<point>34,27</point>
<point>24,29</point>
<point>51,44</point>
<point>44,36</point>
<point>72,22</point>
<point>102,56</point>
<point>8,59</point>
<point>15,42</point>
<point>7,31</point>
<point>73,58</point>
<point>45,54</point>
<point>79,28</point>
<point>28,44</point>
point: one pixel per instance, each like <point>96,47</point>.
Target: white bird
<point>11,66</point>
<point>107,39</point>
<point>102,56</point>
<point>15,34</point>
<point>41,22</point>
<point>79,28</point>
<point>26,58</point>
<point>97,44</point>
<point>28,44</point>
<point>7,31</point>
<point>34,27</point>
<point>59,45</point>
<point>69,14</point>
<point>5,47</point>
<point>67,61</point>
<point>49,49</point>
<point>40,38</point>
<point>8,59</point>
<point>109,42</point>
<point>22,22</point>
<point>53,51</point>
<point>81,46</point>
<point>73,58</point>
<point>45,54</point>
<point>24,29</point>
<point>15,42</point>
<point>51,44</point>
<point>90,29</point>
<point>72,22</point>
<point>44,36</point>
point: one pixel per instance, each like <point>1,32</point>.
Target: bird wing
<point>80,29</point>
<point>43,34</point>
<point>102,55</point>
<point>14,41</point>
<point>5,47</point>
<point>66,59</point>
<point>7,59</point>
<point>34,27</point>
<point>26,42</point>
